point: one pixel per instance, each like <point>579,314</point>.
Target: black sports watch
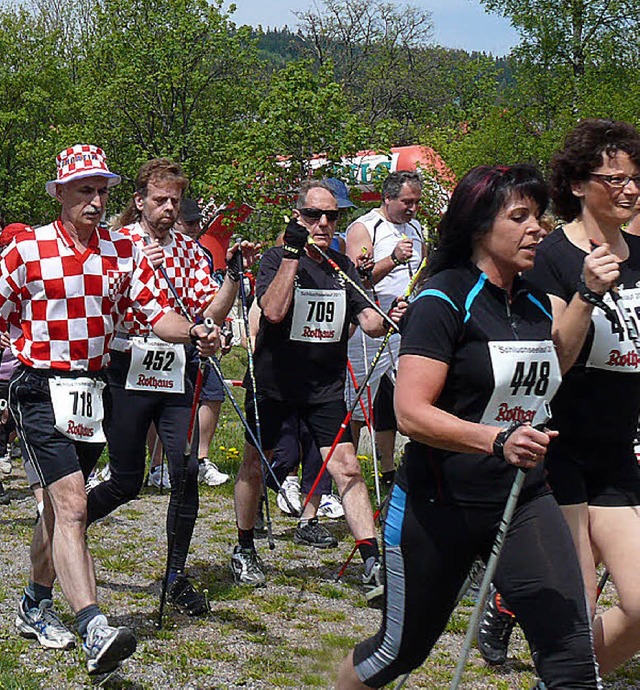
<point>501,439</point>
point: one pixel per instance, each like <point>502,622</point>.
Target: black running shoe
<point>186,598</point>
<point>495,629</point>
<point>314,534</point>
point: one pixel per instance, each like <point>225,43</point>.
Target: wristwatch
<point>501,439</point>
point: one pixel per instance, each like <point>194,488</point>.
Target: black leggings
<point>133,413</point>
<point>429,548</point>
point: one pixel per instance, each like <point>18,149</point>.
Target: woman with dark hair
<point>477,367</point>
<point>593,471</point>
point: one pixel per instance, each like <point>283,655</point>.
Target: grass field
<point>291,634</point>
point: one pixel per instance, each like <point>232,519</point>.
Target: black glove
<point>295,239</point>
<point>235,265</point>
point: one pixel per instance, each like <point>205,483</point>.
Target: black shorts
<point>296,447</point>
<point>212,388</point>
<point>384,416</point>
<point>51,454</point>
<point>603,474</point>
<point>322,419</point>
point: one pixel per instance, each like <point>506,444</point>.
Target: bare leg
<point>346,473</point>
<point>311,508</point>
<point>208,416</point>
<point>154,444</point>
<point>385,440</point>
<point>67,523</point>
<point>42,568</point>
<point>356,428</point>
<point>616,533</point>
<point>248,488</point>
<point>347,678</point>
<point>577,517</point>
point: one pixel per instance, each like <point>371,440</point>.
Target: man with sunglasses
<point>300,360</point>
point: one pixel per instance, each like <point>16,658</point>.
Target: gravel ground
<point>290,634</point>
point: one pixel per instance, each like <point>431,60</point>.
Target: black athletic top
<point>502,366</point>
<point>303,358</point>
<point>600,395</point>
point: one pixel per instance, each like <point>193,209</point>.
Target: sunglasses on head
<point>317,213</point>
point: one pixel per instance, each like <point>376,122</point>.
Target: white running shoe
<point>330,506</point>
<point>42,623</point>
<point>208,473</point>
<point>97,477</point>
<point>105,473</point>
<point>159,477</point>
<point>106,646</point>
<point>5,463</point>
<point>291,487</point>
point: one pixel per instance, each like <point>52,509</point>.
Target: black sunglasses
<point>317,213</point>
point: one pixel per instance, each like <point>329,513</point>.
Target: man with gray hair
<point>63,288</point>
<point>300,359</point>
<point>392,237</point>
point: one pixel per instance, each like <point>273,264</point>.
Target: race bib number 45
<point>612,349</point>
<point>318,315</point>
<point>78,408</point>
<point>156,366</point>
<point>526,374</point>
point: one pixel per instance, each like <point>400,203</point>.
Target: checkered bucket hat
<point>81,160</point>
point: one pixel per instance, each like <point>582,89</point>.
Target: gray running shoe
<point>314,534</point>
<point>106,646</point>
<point>247,567</point>
<point>42,623</point>
<point>373,579</point>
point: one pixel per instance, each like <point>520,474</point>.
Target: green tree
<point>36,97</point>
<point>375,49</point>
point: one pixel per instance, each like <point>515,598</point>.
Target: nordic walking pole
<point>347,419</point>
<point>465,586</point>
<point>372,431</point>
<point>254,441</point>
<point>348,279</point>
<point>488,575</point>
<point>368,420</point>
<point>181,488</point>
<point>252,375</point>
<point>216,367</point>
<point>492,564</point>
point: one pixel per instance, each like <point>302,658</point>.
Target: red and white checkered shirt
<point>188,271</point>
<point>61,306</point>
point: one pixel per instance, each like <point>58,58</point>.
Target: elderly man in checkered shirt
<point>63,287</point>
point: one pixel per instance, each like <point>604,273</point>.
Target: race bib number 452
<point>156,366</point>
<point>78,408</point>
<point>526,374</point>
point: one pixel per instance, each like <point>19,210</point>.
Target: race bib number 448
<point>526,374</point>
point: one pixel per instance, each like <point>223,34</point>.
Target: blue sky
<point>457,23</point>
